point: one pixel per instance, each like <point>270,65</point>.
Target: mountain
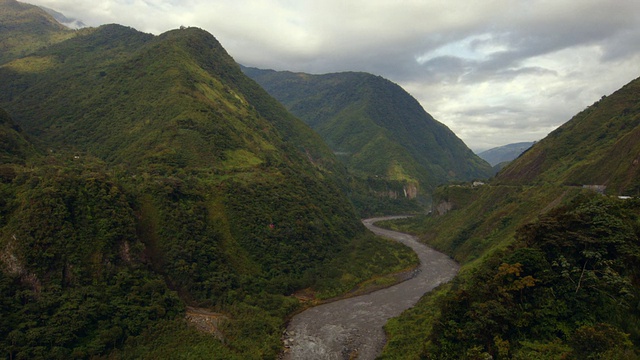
<point>211,111</point>
<point>147,175</point>
<point>504,153</point>
<point>25,28</point>
<point>550,267</point>
<point>376,128</point>
<point>598,146</point>
<point>62,19</point>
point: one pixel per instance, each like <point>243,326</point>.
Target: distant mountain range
<point>62,19</point>
<point>25,28</point>
<point>504,153</point>
<point>376,128</point>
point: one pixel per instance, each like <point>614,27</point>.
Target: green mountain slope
<point>598,146</point>
<point>550,269</point>
<point>25,28</point>
<point>168,179</point>
<point>212,109</point>
<point>377,129</point>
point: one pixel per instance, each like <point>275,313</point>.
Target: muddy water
<point>353,327</point>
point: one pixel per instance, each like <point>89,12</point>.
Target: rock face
<point>409,191</point>
<point>352,327</point>
<point>444,207</point>
<point>206,321</point>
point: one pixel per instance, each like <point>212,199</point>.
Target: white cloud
<point>477,47</point>
<point>494,71</point>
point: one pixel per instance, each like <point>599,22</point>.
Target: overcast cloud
<point>494,71</point>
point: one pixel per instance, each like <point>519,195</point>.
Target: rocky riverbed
<point>352,328</point>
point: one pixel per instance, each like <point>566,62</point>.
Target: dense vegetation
<point>566,287</point>
<point>72,280</point>
<point>92,263</point>
<point>141,175</point>
<point>391,146</point>
<point>145,177</point>
<point>14,146</point>
<point>550,269</point>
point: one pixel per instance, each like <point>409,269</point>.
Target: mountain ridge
<point>598,146</point>
<point>109,75</point>
<point>504,153</point>
<point>62,19</point>
<point>375,127</point>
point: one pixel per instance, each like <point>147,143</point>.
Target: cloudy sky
<point>494,71</point>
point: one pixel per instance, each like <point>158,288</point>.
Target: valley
<point>159,200</point>
<point>352,327</point>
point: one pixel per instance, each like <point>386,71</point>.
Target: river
<point>352,327</point>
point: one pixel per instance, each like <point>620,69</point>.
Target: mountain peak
<point>377,128</point>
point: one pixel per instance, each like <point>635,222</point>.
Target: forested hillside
<point>550,268</point>
<point>143,176</point>
<point>155,202</point>
<point>14,146</point>
<point>377,129</point>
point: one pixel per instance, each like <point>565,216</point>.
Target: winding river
<point>352,327</point>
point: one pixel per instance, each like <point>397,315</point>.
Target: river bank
<point>352,327</point>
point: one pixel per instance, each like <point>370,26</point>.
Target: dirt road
<point>352,328</point>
